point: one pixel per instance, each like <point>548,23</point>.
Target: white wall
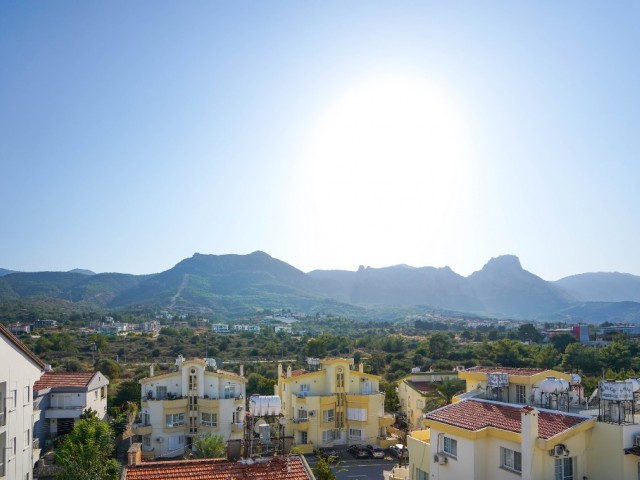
<point>17,372</point>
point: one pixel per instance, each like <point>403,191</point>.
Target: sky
<point>327,134</point>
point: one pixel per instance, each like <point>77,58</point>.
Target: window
<point>421,474</point>
<point>27,438</point>
<point>356,434</point>
<point>26,395</point>
<point>366,387</point>
<point>303,415</point>
<point>103,392</point>
<point>565,468</point>
<point>161,392</point>
<point>303,438</point>
<point>521,396</point>
<point>327,436</point>
<point>209,419</point>
<point>229,391</point>
<point>450,446</point>
<point>419,404</point>
<point>96,394</point>
<point>359,414</point>
<point>328,415</point>
<point>146,419</point>
<point>339,419</point>
<point>146,441</point>
<point>176,442</point>
<point>510,459</point>
<point>12,399</point>
<point>175,420</point>
<point>305,389</point>
<point>340,379</point>
<point>13,447</point>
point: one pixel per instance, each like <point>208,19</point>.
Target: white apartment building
<point>195,398</point>
<point>21,368</point>
<point>64,396</point>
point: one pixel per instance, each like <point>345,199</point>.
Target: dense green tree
<point>581,357</point>
<point>527,332</point>
<point>258,384</point>
<point>109,367</point>
<point>546,357</point>
<point>439,345</point>
<point>84,453</point>
<point>391,400</point>
<point>507,353</point>
<point>561,340</point>
<point>209,445</point>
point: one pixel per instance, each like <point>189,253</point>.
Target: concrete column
<point>529,419</point>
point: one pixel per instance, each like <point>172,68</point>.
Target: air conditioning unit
<point>559,450</point>
<point>442,459</point>
<point>312,413</point>
<point>160,439</point>
<point>636,441</point>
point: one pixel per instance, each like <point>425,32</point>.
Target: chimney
<point>529,420</point>
<point>279,370</point>
<point>242,370</point>
<point>134,454</point>
<point>289,371</point>
<point>361,367</point>
<point>151,370</point>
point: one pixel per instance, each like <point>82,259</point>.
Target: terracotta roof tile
<point>424,387</point>
<point>525,372</point>
<point>475,415</point>
<point>275,468</point>
<point>63,379</point>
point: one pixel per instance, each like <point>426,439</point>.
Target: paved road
<point>350,468</point>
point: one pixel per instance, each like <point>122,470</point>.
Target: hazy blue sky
<point>133,134</point>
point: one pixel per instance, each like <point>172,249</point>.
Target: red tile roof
<point>476,414</point>
<point>424,387</point>
<point>63,379</point>
<point>525,372</point>
<point>21,346</point>
<point>276,468</point>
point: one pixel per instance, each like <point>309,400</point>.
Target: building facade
<point>331,404</point>
<point>413,391</point>
<point>63,397</point>
<point>21,368</point>
<point>193,399</point>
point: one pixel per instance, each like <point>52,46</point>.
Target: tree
<point>439,345</point>
<point>581,357</point>
<point>84,454</point>
<point>444,393</point>
<point>547,357</point>
<point>322,471</point>
<point>561,340</point>
<point>391,400</point>
<point>209,445</point>
<point>527,332</point>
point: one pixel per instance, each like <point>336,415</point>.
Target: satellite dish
<point>282,421</point>
<point>258,424</point>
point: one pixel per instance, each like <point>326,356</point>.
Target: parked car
<point>375,452</point>
<point>398,449</point>
<point>358,451</point>
<point>328,454</point>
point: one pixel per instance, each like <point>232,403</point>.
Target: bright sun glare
<point>388,154</point>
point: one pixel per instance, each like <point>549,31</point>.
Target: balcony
<point>64,412</point>
<point>142,429</point>
<point>386,420</point>
<point>301,424</point>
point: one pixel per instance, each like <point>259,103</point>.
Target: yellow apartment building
<point>332,403</point>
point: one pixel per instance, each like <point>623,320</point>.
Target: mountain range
<point>243,284</point>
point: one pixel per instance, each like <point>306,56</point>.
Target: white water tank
<point>265,405</point>
<point>635,382</point>
<point>575,379</point>
<point>554,385</point>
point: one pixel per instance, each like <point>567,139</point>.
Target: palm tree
<point>443,394</point>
